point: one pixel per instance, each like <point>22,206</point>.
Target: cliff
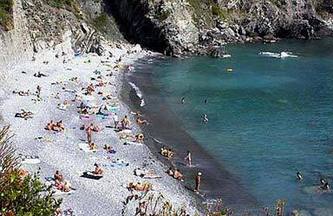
<point>173,27</point>
<point>182,26</point>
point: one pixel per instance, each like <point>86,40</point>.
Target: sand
<point>60,151</point>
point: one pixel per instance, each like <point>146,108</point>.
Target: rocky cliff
<point>182,26</point>
<point>173,27</point>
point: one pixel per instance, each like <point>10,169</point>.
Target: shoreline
<point>219,182</point>
<point>103,197</point>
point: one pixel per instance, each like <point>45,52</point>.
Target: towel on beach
<point>116,164</point>
<point>133,143</point>
<point>30,161</point>
<point>91,175</point>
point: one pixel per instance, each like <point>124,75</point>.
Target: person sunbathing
<point>167,152</point>
<point>22,93</point>
<point>90,89</point>
<point>25,115</point>
<point>139,138</point>
<point>137,113</point>
<point>39,75</point>
<point>60,125</point>
<point>109,149</point>
<point>144,187</point>
<point>64,186</point>
<point>178,175</point>
<point>49,125</point>
<point>57,127</point>
<point>141,121</point>
<point>58,176</point>
<point>98,170</point>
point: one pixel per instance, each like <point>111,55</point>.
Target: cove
<point>268,118</point>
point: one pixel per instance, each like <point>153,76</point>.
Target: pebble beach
<point>60,150</point>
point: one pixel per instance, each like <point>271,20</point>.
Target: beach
<point>66,74</point>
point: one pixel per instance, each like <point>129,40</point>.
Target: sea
<point>270,115</point>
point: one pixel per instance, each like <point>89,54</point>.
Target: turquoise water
<point>268,119</point>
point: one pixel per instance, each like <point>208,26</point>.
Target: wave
<point>278,55</point>
<point>138,93</point>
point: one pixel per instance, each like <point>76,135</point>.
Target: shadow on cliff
<point>134,23</point>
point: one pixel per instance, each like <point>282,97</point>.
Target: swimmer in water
<point>206,101</point>
<point>183,100</point>
<point>299,176</point>
<point>205,118</point>
<point>324,185</point>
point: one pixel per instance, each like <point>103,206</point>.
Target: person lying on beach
<point>175,173</point>
<point>109,149</point>
<point>167,152</point>
<point>24,114</point>
<point>58,176</point>
<point>22,93</point>
<point>139,138</point>
<point>63,186</point>
<point>90,89</point>
<point>141,121</point>
<point>137,113</point>
<point>57,127</point>
<point>125,123</point>
<point>143,187</point>
<point>147,174</point>
<point>98,170</point>
<point>39,75</point>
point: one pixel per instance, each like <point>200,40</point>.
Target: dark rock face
<point>133,20</point>
<point>176,27</point>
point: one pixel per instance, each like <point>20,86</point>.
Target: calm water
<point>268,118</point>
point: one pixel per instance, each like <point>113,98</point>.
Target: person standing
<point>115,120</point>
<point>198,182</point>
<point>188,158</point>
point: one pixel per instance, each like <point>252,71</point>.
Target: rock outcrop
<point>194,26</point>
<point>173,27</point>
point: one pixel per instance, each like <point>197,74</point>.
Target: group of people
<point>167,152</point>
<point>60,183</point>
<point>324,186</point>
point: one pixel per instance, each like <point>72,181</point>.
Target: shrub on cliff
<point>6,14</point>
<point>21,194</point>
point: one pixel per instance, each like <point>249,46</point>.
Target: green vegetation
<point>101,22</point>
<point>217,11</point>
<point>201,10</point>
<point>6,14</point>
<point>20,193</point>
<point>163,15</point>
<point>70,5</point>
